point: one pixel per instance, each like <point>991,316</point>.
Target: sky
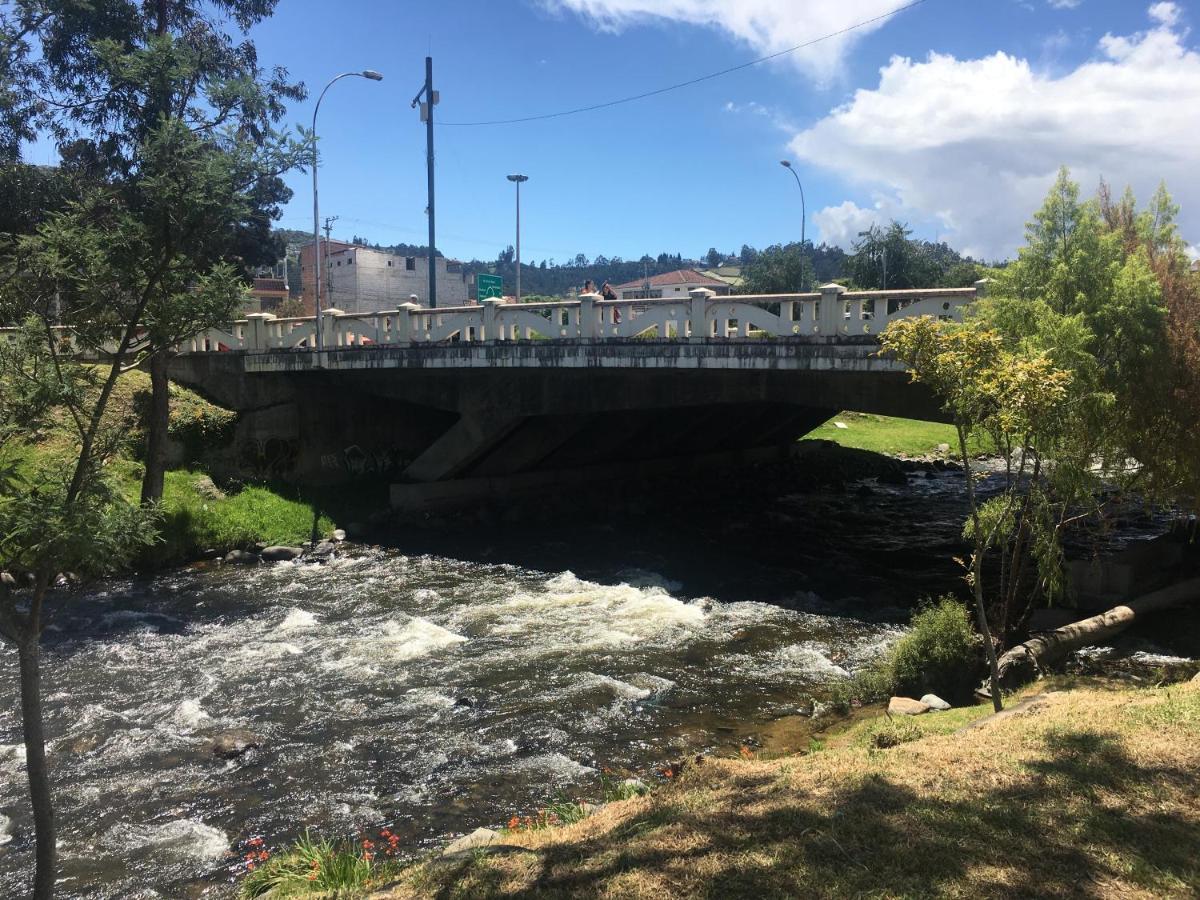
<point>951,115</point>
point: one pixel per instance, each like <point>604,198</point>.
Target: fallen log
<point>1025,662</point>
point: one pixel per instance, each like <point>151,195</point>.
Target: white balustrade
<point>831,312</point>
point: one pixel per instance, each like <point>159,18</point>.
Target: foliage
<point>888,259</point>
<point>779,270</point>
<point>317,866</point>
<point>939,654</point>
<point>194,423</point>
<point>193,524</point>
<point>894,731</point>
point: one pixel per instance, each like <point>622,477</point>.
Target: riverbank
<point>1094,786</point>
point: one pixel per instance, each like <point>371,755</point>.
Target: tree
<point>1016,398</point>
<point>164,80</point>
<point>779,269</point>
<point>713,257</point>
<point>1081,370</point>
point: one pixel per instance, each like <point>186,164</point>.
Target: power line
<point>683,84</point>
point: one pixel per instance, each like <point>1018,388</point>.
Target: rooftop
<point>679,276</point>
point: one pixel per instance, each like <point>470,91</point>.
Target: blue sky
<point>952,116</point>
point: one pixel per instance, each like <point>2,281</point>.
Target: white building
<point>362,280</point>
<point>669,286</point>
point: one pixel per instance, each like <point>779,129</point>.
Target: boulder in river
<point>933,701</point>
<point>241,557</point>
<point>278,554</point>
<point>235,742</point>
<point>1196,678</point>
<point>906,706</point>
<point>338,535</point>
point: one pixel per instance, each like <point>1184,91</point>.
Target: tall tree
<point>115,81</point>
<point>166,125</point>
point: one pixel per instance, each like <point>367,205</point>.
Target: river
<point>436,684</point>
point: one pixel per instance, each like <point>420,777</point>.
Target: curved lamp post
<point>787,164</point>
<point>372,75</point>
<point>517,179</point>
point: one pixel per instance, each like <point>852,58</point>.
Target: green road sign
<point>488,286</point>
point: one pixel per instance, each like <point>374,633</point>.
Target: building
<point>363,280</point>
<point>669,285</point>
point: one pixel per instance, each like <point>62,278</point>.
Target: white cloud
<point>767,26</point>
<point>1064,4</point>
<point>972,145</point>
<point>1165,13</point>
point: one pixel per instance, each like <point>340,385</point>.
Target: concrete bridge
<point>456,404</point>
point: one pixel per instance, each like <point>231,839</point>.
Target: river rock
<point>241,557</point>
<point>933,701</point>
<point>338,535</point>
<point>6,829</point>
<point>1196,678</point>
<point>480,837</point>
<point>322,550</point>
<point>277,554</point>
<point>232,744</point>
<point>906,706</point>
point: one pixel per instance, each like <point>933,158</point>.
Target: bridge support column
<point>473,435</point>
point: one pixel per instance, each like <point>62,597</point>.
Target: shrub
<point>939,654</point>
<point>892,732</point>
<point>316,867</point>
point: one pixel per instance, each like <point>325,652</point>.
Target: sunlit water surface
<point>424,693</point>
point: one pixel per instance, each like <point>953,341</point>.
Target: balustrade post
<point>330,323</point>
<point>587,316</point>
<point>256,336</point>
<point>404,319</point>
<point>832,316</point>
<point>699,314</point>
<point>491,330</point>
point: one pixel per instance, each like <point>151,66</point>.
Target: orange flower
<point>368,844</point>
<point>312,876</point>
<point>249,867</point>
<point>746,752</point>
<point>263,855</point>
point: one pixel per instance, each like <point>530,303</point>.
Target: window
<point>389,263</point>
<point>410,264</point>
<point>350,261</point>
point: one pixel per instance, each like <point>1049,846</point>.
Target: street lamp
<point>517,179</point>
<point>371,75</point>
<point>787,164</point>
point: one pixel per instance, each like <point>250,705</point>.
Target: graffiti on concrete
<point>271,457</point>
<point>357,461</point>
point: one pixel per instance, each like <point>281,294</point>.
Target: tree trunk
<point>156,429</point>
<point>29,653</point>
<point>1024,662</point>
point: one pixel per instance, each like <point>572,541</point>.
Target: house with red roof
<point>669,286</point>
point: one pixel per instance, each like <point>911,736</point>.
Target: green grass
<point>887,434</point>
<point>194,523</point>
<point>316,866</point>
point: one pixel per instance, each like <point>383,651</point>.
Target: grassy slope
<point>887,434</point>
<point>193,523</point>
<point>1097,794</point>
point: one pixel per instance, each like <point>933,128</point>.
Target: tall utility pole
<point>329,220</point>
<point>431,99</point>
<point>517,179</point>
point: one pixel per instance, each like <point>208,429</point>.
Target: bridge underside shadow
<point>452,437</point>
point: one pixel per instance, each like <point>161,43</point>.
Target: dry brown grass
<point>1096,793</point>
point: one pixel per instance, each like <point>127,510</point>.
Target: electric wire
<point>691,81</point>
